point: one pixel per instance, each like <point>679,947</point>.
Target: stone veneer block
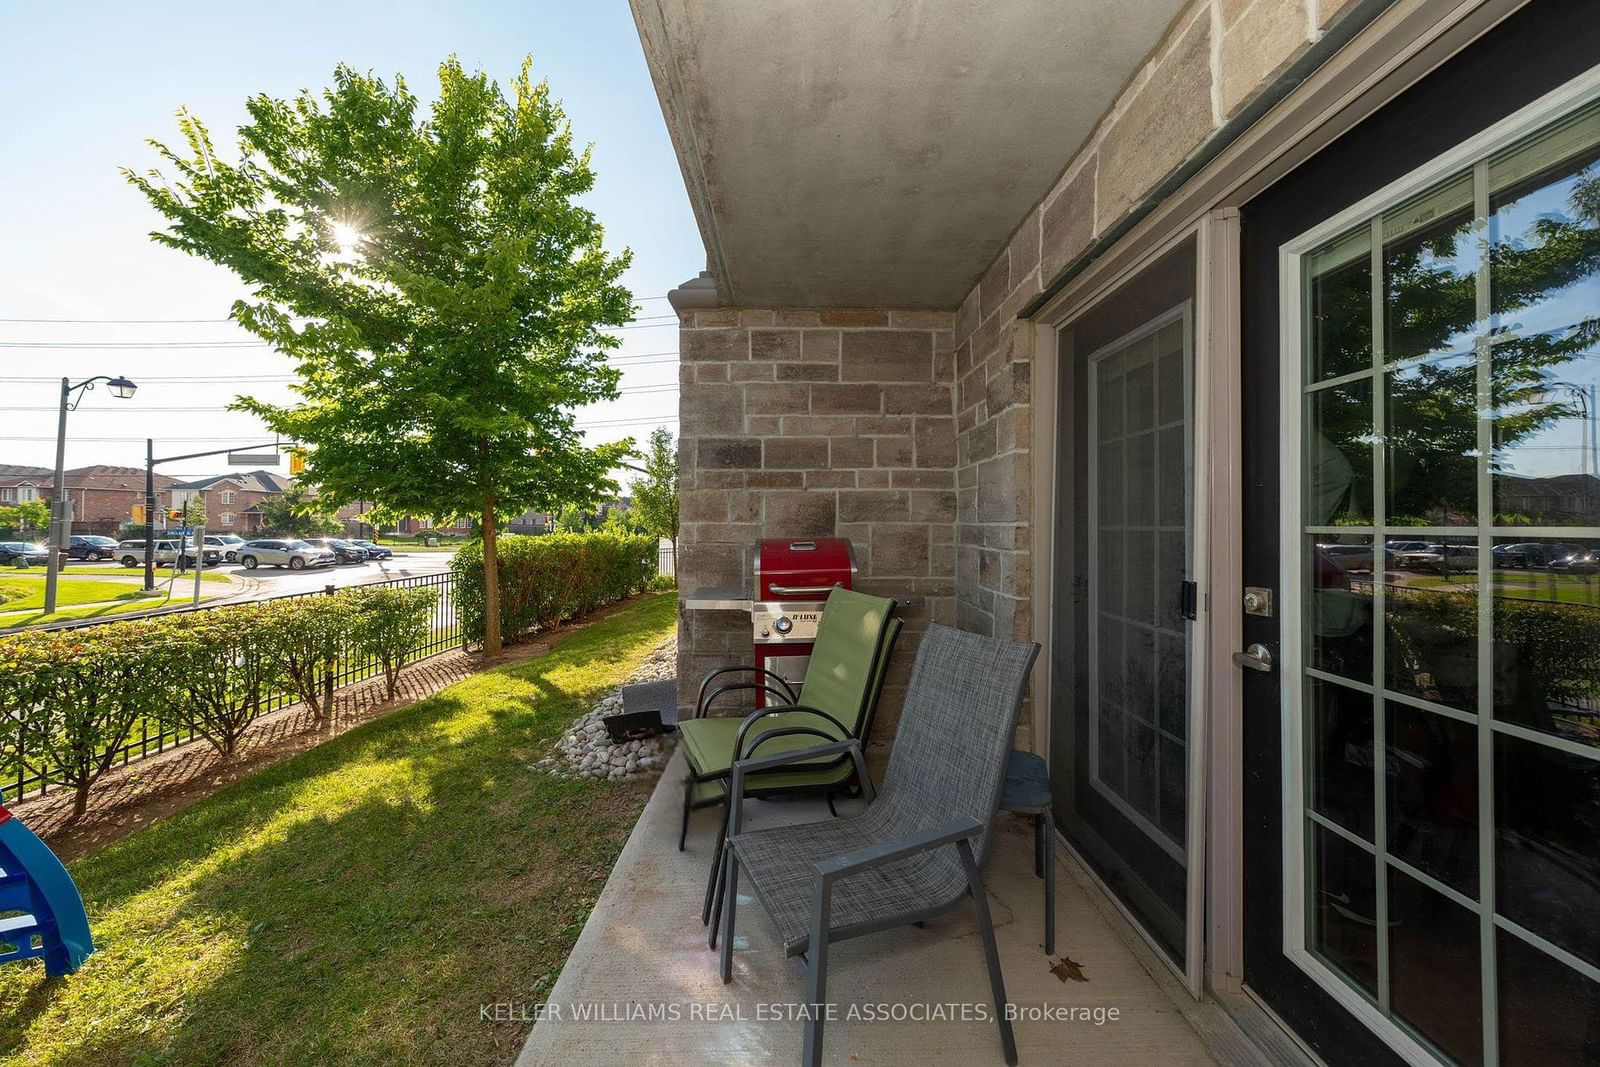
<point>886,356</point>
<point>1167,118</point>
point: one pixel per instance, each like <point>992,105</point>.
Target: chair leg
<point>991,951</point>
<point>1038,846</point>
<point>716,866</point>
<point>817,976</point>
<point>1049,882</point>
<point>688,796</point>
<point>730,902</point>
<point>720,872</point>
<point>831,809</point>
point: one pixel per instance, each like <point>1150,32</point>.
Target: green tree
<point>299,514</point>
<point>655,496</point>
<point>27,517</point>
<point>444,296</point>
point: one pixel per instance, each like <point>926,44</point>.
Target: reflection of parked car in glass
<point>1580,562</point>
<point>1531,554</point>
<point>1408,546</point>
<point>1440,559</point>
<point>1355,558</point>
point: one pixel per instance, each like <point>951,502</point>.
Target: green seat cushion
<point>708,746</point>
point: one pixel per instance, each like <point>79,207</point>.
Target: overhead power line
<point>256,437</point>
<point>179,322</point>
<point>664,388</point>
<point>623,362</point>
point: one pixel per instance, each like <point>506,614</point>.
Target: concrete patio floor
<point>641,987</point>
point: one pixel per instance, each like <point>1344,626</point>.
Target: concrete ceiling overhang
<point>879,152</point>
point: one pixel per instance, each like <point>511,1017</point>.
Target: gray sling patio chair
<point>918,847</point>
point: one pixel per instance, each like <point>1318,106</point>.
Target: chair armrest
<point>706,684</point>
<point>899,848</point>
<point>750,720</point>
<point>850,746</point>
<point>735,687</point>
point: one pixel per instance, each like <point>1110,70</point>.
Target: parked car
<point>1354,557</point>
<point>31,554</point>
<point>131,553</point>
<point>1440,559</point>
<point>343,551</point>
<point>296,555</point>
<point>1582,561</point>
<point>374,551</point>
<point>91,546</point>
<point>1407,546</point>
<point>227,544</point>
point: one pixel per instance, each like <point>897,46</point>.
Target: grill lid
<point>803,570</point>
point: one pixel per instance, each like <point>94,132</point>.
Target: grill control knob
<point>782,624</point>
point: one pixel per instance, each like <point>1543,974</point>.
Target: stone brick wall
<point>816,423</point>
<point>1215,57</point>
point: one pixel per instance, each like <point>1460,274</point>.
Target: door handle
<point>1254,658</point>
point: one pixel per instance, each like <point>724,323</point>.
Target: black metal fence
<point>150,737</point>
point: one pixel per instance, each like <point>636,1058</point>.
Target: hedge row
<point>550,578</point>
<point>70,699</point>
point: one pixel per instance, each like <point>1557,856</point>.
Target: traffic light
<point>138,514</point>
<point>297,463</point>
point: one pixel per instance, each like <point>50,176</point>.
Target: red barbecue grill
<point>792,580</point>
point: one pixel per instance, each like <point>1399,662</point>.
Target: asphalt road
<point>266,582</point>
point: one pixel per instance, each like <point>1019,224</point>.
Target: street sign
<point>253,459</point>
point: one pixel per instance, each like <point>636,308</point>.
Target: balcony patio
<point>642,987</point>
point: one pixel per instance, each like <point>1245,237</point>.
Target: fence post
<point>328,670</point>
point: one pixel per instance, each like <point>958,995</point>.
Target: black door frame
<point>1535,51</point>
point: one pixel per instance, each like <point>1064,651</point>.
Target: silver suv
<point>296,555</point>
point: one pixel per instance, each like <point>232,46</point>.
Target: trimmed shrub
<point>387,622</point>
<point>71,698</point>
<point>547,579</point>
<point>223,673</point>
<point>301,637</point>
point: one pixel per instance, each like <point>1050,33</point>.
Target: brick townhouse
<point>232,501</point>
<point>103,497</point>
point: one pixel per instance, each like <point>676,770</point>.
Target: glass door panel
<point>1124,659</point>
<point>1449,541</point>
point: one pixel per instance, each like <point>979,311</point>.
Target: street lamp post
<point>71,396</point>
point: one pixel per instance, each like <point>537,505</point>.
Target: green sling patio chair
<point>836,702</point>
<point>918,847</point>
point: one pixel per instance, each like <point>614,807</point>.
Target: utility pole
<point>149,514</point>
<point>60,506</point>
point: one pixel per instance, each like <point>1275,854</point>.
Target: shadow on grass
<point>361,901</point>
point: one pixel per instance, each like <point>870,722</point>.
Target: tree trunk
<point>491,583</point>
<point>80,802</point>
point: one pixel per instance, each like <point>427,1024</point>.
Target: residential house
<point>1094,324</point>
<point>232,501</point>
<point>104,498</point>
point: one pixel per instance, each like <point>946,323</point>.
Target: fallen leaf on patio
<point>1067,968</point>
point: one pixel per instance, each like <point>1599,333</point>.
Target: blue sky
<point>87,82</point>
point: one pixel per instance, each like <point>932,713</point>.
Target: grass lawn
<point>79,589</point>
<point>1525,585</point>
<point>356,903</point>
